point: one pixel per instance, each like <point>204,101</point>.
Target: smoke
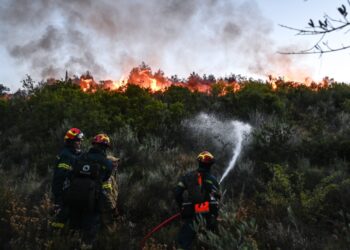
<point>220,137</point>
<point>109,37</point>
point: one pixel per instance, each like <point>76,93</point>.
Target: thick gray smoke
<point>227,137</point>
<point>108,37</point>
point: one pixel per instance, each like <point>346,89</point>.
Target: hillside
<point>289,189</point>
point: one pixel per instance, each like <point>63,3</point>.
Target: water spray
<point>222,134</point>
<point>241,130</point>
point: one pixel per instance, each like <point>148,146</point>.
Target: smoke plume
<point>110,37</point>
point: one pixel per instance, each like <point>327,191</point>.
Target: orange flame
<point>145,78</point>
<point>276,82</point>
<point>87,82</point>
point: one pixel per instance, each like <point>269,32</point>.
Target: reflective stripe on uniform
<point>57,224</point>
<point>186,203</point>
<point>107,185</point>
<point>64,166</point>
<point>209,181</point>
<point>202,207</point>
<point>181,184</point>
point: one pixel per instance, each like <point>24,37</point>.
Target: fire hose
<point>161,225</point>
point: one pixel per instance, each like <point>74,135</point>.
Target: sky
<point>44,38</point>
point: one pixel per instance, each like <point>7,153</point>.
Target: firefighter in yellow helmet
<point>201,200</point>
<point>60,181</point>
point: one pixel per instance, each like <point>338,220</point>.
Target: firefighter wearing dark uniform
<point>85,218</point>
<point>60,182</point>
<point>197,194</point>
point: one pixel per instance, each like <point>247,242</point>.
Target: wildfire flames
<point>276,82</point>
<point>145,78</point>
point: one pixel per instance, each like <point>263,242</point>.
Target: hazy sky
<point>44,38</point>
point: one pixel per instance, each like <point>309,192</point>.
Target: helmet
<point>101,139</point>
<point>74,134</point>
<point>205,158</point>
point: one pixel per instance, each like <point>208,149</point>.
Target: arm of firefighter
<point>108,167</point>
<point>214,187</point>
<point>217,190</point>
<point>178,192</point>
<point>60,174</point>
<point>212,184</point>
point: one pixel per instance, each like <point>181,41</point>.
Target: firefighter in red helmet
<point>64,165</point>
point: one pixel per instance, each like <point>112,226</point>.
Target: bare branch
<point>334,20</point>
<point>319,51</point>
<point>315,31</point>
<point>323,28</point>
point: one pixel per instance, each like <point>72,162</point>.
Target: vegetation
<point>290,190</point>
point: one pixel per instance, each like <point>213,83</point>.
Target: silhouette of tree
<point>28,84</point>
<point>3,89</point>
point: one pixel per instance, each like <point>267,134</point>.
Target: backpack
<point>85,184</point>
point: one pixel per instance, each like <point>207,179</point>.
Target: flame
<point>114,85</point>
<point>144,77</point>
<point>157,81</point>
<point>87,82</point>
<point>276,82</point>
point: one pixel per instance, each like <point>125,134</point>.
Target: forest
<point>290,187</point>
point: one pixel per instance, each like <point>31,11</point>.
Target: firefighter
<point>90,171</point>
<point>109,199</point>
<point>201,200</point>
<point>60,182</point>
